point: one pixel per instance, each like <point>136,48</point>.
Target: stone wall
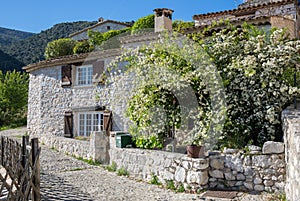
<point>143,164</point>
<point>48,102</point>
<point>291,128</point>
<point>281,23</point>
<point>259,170</point>
<point>96,148</point>
<point>256,171</point>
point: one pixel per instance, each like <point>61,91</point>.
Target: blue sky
<point>37,15</point>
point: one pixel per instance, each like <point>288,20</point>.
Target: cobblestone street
<point>66,178</point>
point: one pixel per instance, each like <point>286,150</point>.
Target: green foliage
<point>255,66</point>
<point>112,167</point>
<point>13,98</point>
<point>154,180</point>
<point>179,25</point>
<point>88,161</point>
<point>122,172</point>
<point>146,22</point>
<point>10,36</point>
<point>8,63</point>
<point>140,108</point>
<point>83,47</point>
<point>241,71</point>
<point>180,188</point>
<point>60,47</point>
<point>98,39</point>
<point>170,185</point>
<point>148,142</point>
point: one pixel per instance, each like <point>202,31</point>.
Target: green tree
<point>60,47</point>
<point>146,22</point>
<point>179,25</point>
<point>83,47</point>
<point>13,98</point>
<point>98,39</point>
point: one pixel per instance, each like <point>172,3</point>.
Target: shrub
<point>253,65</point>
<point>146,22</point>
<point>244,73</point>
<point>179,25</point>
<point>112,167</point>
<point>98,39</point>
<point>83,47</point>
<point>122,172</point>
<point>60,47</point>
<point>147,142</point>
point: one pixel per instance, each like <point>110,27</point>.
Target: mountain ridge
<point>18,51</point>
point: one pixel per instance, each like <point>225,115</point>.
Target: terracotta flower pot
<point>195,151</point>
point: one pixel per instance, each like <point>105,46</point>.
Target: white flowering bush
<point>233,85</point>
<point>256,68</point>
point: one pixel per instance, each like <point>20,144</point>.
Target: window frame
<point>88,81</point>
<point>89,124</point>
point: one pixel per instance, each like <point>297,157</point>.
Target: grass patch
<point>89,161</point>
<point>54,149</point>
<point>122,172</point>
<point>170,185</point>
<point>275,197</point>
<point>77,169</point>
<point>82,138</point>
<point>112,167</point>
<point>180,188</point>
<point>154,180</point>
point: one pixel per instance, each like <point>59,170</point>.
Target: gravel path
<point>66,178</point>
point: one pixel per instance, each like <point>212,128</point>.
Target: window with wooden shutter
<point>66,76</point>
<point>108,122</point>
<point>98,69</point>
<point>68,124</point>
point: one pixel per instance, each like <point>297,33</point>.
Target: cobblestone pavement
<point>66,178</point>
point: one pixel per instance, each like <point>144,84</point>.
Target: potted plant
<point>195,149</point>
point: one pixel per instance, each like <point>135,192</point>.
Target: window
<point>84,75</point>
<point>108,27</point>
<point>88,122</point>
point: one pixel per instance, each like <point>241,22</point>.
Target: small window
<point>108,27</point>
<point>88,122</point>
<point>84,75</point>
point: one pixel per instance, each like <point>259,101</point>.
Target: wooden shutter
<point>98,69</point>
<point>68,122</point>
<point>66,76</point>
<point>107,122</point>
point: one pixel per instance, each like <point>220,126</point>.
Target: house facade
<point>67,96</point>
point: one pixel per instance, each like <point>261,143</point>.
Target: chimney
<point>100,20</point>
<point>163,19</point>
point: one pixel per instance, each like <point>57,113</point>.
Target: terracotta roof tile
<point>72,59</point>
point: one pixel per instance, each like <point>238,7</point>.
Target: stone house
<point>262,13</point>
<point>102,26</point>
<point>67,97</point>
